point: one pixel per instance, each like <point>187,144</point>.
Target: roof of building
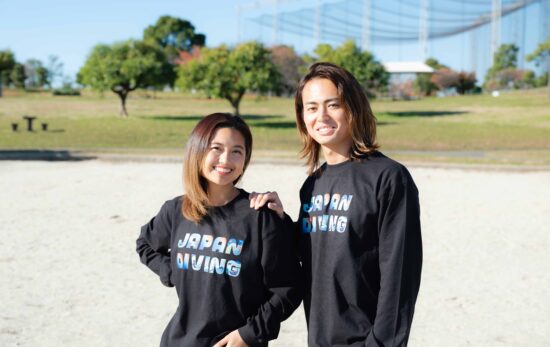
<point>407,67</point>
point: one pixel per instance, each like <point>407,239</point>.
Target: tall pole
<point>275,22</point>
<point>365,34</point>
<point>522,35</point>
<point>318,22</point>
<point>423,29</point>
<point>495,27</point>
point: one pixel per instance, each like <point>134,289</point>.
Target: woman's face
<point>325,116</point>
<point>224,161</point>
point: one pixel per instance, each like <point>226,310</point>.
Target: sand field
<point>71,276</point>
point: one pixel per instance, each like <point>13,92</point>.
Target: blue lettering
<point>232,246</point>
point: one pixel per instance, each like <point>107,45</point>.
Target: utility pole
<point>496,13</point>
<point>423,29</point>
<point>367,18</point>
<point>318,10</point>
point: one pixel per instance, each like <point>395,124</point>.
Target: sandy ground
<point>71,277</point>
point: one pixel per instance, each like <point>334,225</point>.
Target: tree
<point>505,58</point>
<point>423,82</point>
<point>541,54</point>
<point>123,67</point>
<point>369,72</point>
<point>229,73</point>
<point>466,81</point>
<point>55,69</point>
<point>173,35</point>
<point>42,77</point>
<point>18,76</point>
<point>7,62</point>
<point>288,63</point>
<point>446,78</point>
<point>37,74</point>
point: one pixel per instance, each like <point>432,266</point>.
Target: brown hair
<point>195,204</point>
<point>361,120</point>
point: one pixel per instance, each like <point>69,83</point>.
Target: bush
<point>66,91</point>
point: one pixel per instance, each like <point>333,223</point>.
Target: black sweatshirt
<point>236,269</point>
<point>361,252</point>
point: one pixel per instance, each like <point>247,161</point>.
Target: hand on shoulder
<point>271,199</point>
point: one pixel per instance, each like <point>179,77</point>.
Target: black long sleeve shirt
<point>361,249</point>
<point>236,269</point>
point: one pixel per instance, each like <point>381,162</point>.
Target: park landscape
<point>512,129</point>
<point>481,161</point>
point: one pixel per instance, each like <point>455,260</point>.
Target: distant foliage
<point>512,78</point>
<point>368,71</point>
<point>289,64</point>
<point>174,36</point>
<point>462,82</point>
<point>18,76</point>
<point>229,73</point>
<point>55,69</point>
<point>503,74</point>
<point>542,55</point>
<point>66,90</point>
<point>423,83</point>
<point>7,62</point>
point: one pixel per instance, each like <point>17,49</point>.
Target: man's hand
<point>257,200</point>
<point>233,339</point>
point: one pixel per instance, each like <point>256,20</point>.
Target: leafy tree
<point>55,69</point>
<point>542,80</point>
<point>173,35</point>
<point>7,62</point>
<point>466,81</point>
<point>123,67</point>
<point>369,72</point>
<point>541,54</point>
<point>37,74</point>
<point>18,76</point>
<point>42,77</point>
<point>423,82</point>
<point>229,73</point>
<point>505,58</point>
<point>288,63</point>
<point>446,78</point>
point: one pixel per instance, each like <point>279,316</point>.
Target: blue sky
<point>69,29</point>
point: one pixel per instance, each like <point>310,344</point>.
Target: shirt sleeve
<point>281,276</point>
<point>400,260</point>
<point>153,243</point>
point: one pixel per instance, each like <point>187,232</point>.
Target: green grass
<point>513,128</point>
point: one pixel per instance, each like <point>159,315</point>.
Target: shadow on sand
<point>425,113</point>
<point>44,155</point>
<point>195,118</point>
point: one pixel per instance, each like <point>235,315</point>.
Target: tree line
<point>30,75</point>
<point>171,54</point>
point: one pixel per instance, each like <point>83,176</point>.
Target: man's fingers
<point>265,198</point>
<point>222,342</point>
<point>252,198</point>
<point>277,208</point>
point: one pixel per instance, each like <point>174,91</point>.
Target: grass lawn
<point>513,128</point>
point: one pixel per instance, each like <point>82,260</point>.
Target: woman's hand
<point>257,200</point>
<point>233,339</point>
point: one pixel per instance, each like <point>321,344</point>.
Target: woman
<point>233,268</point>
<point>359,222</point>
